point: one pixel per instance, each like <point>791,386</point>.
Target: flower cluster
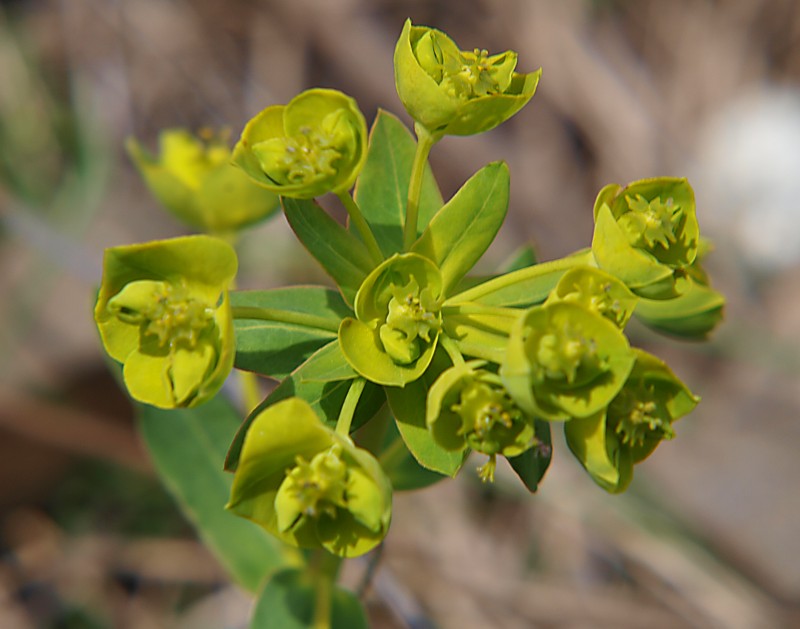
<point>483,364</point>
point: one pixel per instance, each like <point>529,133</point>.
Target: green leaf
<point>532,464</point>
<point>274,348</point>
<point>188,449</point>
<point>341,254</point>
<point>328,364</point>
<point>408,405</point>
<point>382,188</point>
<point>325,397</point>
<point>459,234</point>
<point>401,467</point>
<point>692,315</point>
<point>287,602</point>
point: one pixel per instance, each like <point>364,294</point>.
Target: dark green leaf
<point>343,256</point>
<point>382,188</point>
<point>288,600</point>
<point>532,464</point>
<point>401,467</point>
<point>188,448</point>
<point>273,348</point>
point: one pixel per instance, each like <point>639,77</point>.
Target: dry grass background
<point>708,535</point>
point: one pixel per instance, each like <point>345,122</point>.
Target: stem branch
<point>424,144</point>
<point>362,226</point>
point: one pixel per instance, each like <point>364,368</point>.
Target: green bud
<point>564,361</point>
<point>392,339</point>
<point>454,92</point>
<point>309,486</point>
<point>163,311</point>
<point>468,407</point>
<point>193,178</point>
<point>639,417</point>
<point>598,292</point>
<point>317,143</point>
<point>645,232</point>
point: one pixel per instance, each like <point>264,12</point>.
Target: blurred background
<point>709,533</point>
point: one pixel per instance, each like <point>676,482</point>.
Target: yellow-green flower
<point>645,232</point>
<point>398,320</point>
<point>455,92</point>
<point>308,485</point>
<point>317,143</point>
<point>193,178</point>
<point>468,407</point>
<point>640,416</point>
<point>163,311</point>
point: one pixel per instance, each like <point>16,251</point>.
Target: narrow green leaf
<point>401,467</point>
<point>532,464</point>
<point>288,599</point>
<point>341,254</point>
<point>408,406</point>
<point>188,449</point>
<point>382,188</point>
<point>459,234</point>
<point>327,365</point>
<point>273,348</point>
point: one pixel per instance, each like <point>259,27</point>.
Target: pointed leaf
<point>274,348</point>
<point>459,233</point>
<point>532,464</point>
<point>188,449</point>
<point>382,187</point>
<point>341,254</point>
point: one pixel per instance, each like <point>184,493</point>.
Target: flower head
<point>457,92</point>
<point>317,143</point>
<point>639,417</point>
<point>308,485</point>
<point>163,312</point>
<point>645,232</point>
<point>194,179</point>
<point>392,339</point>
<point>563,360</point>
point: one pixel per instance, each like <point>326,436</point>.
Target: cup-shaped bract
<point>308,485</point>
<point>398,320</point>
<point>469,408</point>
<point>317,143</point>
<point>645,232</point>
<point>194,179</point>
<point>639,417</point>
<point>565,361</point>
<point>163,311</point>
<point>455,92</point>
<point>597,291</point>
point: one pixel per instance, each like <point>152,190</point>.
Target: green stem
<point>480,350</point>
<point>425,142</point>
<point>324,571</point>
<point>362,226</point>
<point>285,316</point>
<point>349,406</point>
<point>480,309</point>
<point>452,351</point>
<point>540,277</point>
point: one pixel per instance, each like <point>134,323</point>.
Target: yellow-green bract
<point>308,485</point>
<point>645,232</point>
<point>163,312</point>
<point>398,320</point>
<point>316,143</point>
<point>193,178</point>
<point>639,417</point>
<point>453,92</point>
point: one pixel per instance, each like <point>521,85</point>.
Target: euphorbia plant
<point>437,363</point>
